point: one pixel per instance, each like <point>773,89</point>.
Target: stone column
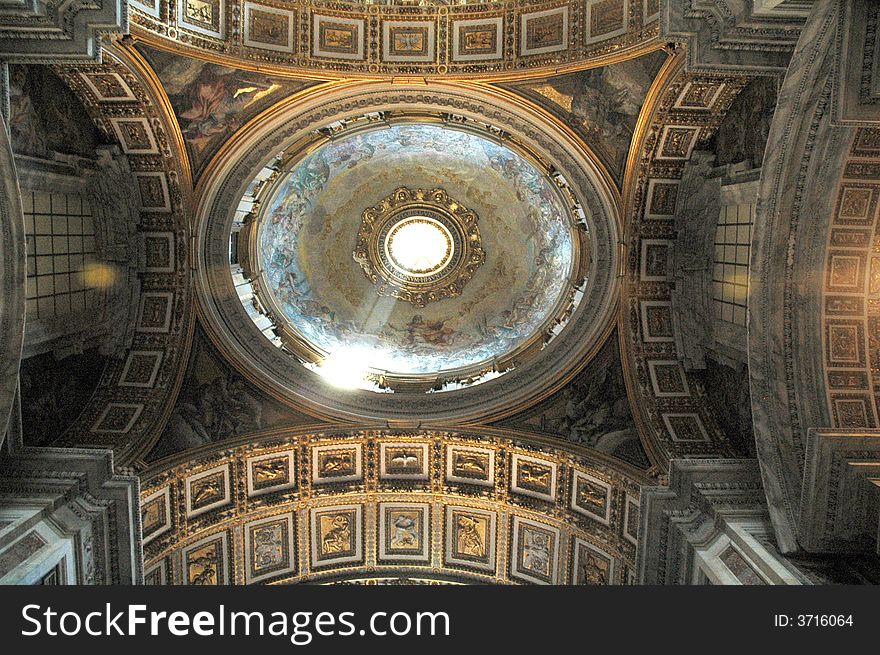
<point>12,279</point>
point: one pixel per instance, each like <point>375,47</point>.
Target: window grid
<point>730,279</point>
<point>60,249</point>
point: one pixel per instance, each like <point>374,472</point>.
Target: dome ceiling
<point>389,244</point>
<point>519,274</point>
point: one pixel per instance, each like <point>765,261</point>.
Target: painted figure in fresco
<point>508,167</point>
<point>216,410</point>
<point>215,101</point>
<point>470,541</point>
<point>294,284</point>
<point>423,341</point>
<point>595,409</point>
<point>510,322</point>
<point>23,119</point>
<point>351,154</point>
<point>434,333</point>
<point>754,107</point>
<point>406,531</point>
<point>604,102</point>
<point>607,100</point>
<point>45,115</point>
<point>338,537</point>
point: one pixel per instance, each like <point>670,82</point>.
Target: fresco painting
<point>601,104</point>
<point>212,102</point>
<point>46,117</point>
<point>304,215</point>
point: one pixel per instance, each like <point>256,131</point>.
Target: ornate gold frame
<point>465,248</point>
<point>371,489</point>
<point>163,34</point>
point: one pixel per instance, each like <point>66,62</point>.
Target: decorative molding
<point>709,506</point>
<point>69,32</point>
<point>323,39</point>
<point>856,97</point>
<point>683,111</point>
<point>83,503</point>
<point>728,36</point>
<point>460,226</point>
<point>841,490</point>
<point>452,527</point>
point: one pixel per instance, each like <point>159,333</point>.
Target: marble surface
<point>803,162</point>
<point>726,35</point>
<point>12,280</point>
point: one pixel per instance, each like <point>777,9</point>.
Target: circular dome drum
<point>397,265</point>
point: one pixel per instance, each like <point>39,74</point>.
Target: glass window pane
<point>727,313</point>
<point>41,203</point>
<point>44,265</point>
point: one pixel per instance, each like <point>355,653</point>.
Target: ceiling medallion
<point>419,246</point>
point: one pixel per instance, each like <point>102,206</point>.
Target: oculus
<point>419,246</point>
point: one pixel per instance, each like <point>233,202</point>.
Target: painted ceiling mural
<point>45,116</point>
<point>248,273</point>
<point>55,391</point>
<point>216,403</point>
<point>311,222</point>
<point>601,104</point>
<point>592,411</point>
<point>754,107</point>
<point>210,101</point>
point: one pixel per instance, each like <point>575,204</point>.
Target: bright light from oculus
<point>346,369</point>
<point>419,245</point>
